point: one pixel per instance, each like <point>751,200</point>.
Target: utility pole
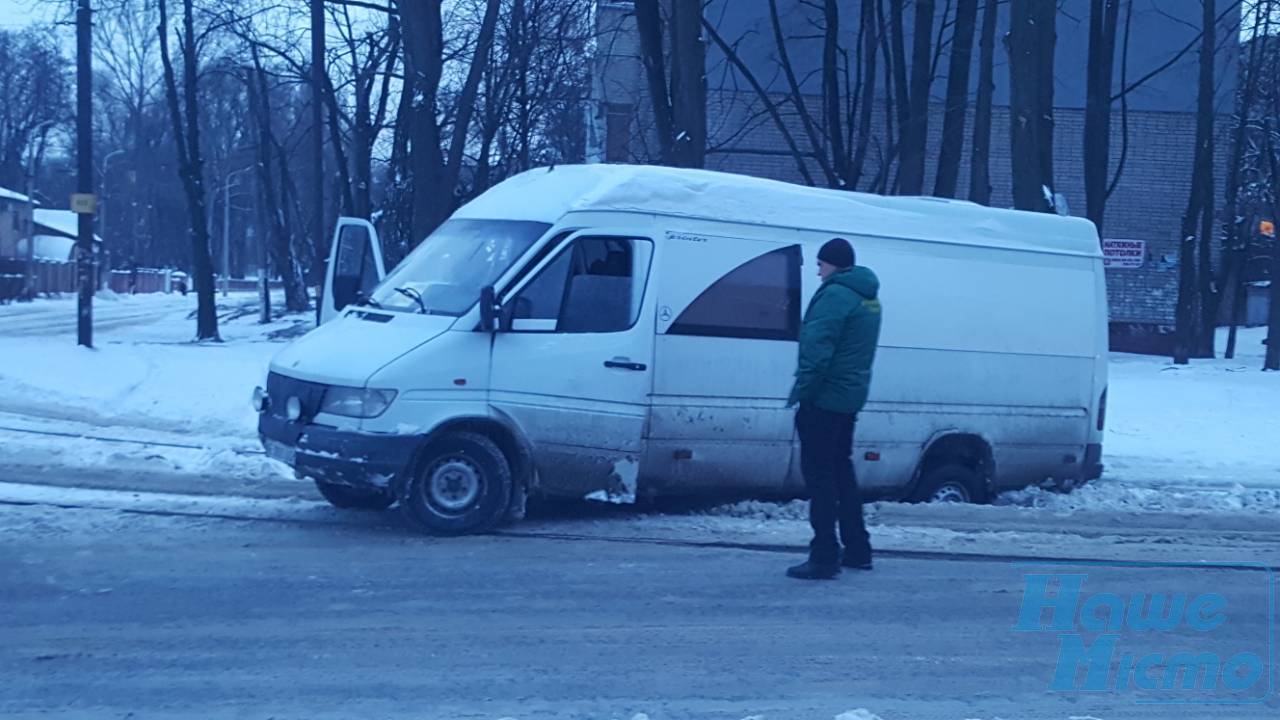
<point>84,205</point>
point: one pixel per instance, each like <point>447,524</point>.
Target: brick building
<point>1150,195</point>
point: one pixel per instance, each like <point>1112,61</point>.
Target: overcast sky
<point>18,13</point>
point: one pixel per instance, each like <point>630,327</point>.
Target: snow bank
<point>145,371</point>
<point>1213,422</point>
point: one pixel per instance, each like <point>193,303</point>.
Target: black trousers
<point>826,460</point>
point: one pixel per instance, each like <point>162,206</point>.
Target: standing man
<point>837,348</point>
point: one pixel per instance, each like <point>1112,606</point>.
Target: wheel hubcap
<point>454,485</point>
<point>950,493</point>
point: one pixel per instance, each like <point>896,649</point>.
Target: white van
<point>611,332</point>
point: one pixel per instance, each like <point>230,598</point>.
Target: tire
<point>351,498</point>
<point>950,483</point>
<point>461,484</point>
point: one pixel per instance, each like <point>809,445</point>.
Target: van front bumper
<point>340,457</point>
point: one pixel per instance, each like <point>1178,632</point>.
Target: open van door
<point>354,267</point>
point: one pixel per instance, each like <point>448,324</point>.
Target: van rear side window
<point>758,300</point>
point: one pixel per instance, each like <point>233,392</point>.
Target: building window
<point>617,132</point>
<point>759,300</point>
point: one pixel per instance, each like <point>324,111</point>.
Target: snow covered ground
<point>1190,439</point>
<point>146,381</point>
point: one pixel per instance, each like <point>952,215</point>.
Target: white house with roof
<point>15,223</point>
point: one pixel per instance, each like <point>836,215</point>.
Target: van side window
<point>758,300</point>
<point>594,285</point>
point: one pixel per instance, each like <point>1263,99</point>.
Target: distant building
<point>15,224</point>
<point>1149,198</point>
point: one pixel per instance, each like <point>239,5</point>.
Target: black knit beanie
<point>837,252</point>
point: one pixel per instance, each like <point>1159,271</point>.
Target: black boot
<point>855,562</point>
<point>810,570</point>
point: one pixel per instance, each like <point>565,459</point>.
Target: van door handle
<point>625,365</point>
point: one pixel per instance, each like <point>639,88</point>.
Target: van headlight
<point>356,402</point>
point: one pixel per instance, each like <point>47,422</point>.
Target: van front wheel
<point>953,483</point>
<point>460,484</point>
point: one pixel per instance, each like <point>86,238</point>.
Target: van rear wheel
<point>461,484</point>
<point>952,483</point>
<point>346,497</point>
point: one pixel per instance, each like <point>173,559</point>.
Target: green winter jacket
<point>838,342</point>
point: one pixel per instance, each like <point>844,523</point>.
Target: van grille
<point>282,387</point>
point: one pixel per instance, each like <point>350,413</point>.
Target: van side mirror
<point>488,309</point>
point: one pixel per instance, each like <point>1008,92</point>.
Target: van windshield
<point>444,275</point>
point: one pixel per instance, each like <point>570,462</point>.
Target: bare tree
<point>357,96</point>
<point>185,115</point>
<point>957,106</point>
<point>36,87</point>
<point>980,157</point>
<point>534,90</point>
<point>1104,20</point>
<point>915,132</point>
<point>1032,38</point>
<point>275,182</point>
<point>1195,272</point>
<point>1235,224</point>
<point>677,86</point>
<point>434,167</point>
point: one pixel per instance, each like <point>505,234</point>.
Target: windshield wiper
<point>362,299</point>
<point>415,296</point>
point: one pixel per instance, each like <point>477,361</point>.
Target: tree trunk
<point>433,175</point>
<point>916,134</point>
<point>1104,18</point>
<point>1205,115</point>
<point>957,99</point>
<point>1235,234</point>
<point>901,87</point>
<point>1272,361</point>
<point>980,158</point>
<point>1191,285</point>
<point>339,152</point>
<point>274,206</point>
<point>831,95</point>
<point>871,34</point>
<point>429,194</point>
<point>653,56</point>
<point>1031,44</point>
<point>688,86</point>
<point>190,161</point>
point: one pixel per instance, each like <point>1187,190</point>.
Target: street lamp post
<point>226,228</point>
<point>102,214</point>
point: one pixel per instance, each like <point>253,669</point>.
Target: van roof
<point>547,194</point>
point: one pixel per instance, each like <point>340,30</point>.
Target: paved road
<point>111,615</point>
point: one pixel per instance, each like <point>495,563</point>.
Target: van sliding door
<point>725,353</point>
